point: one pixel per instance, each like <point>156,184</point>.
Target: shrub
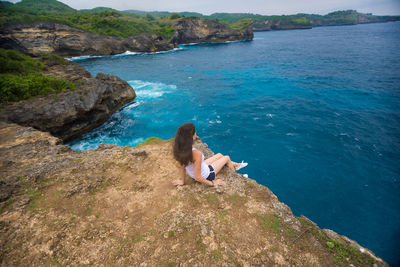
<point>20,76</point>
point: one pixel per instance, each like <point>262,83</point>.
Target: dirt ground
<point>116,206</point>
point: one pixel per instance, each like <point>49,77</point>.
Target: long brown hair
<point>183,143</point>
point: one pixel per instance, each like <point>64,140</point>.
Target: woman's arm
<point>197,155</point>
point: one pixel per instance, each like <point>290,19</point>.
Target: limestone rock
<point>196,30</point>
<point>69,115</point>
<point>66,41</point>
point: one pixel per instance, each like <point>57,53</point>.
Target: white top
<point>205,171</point>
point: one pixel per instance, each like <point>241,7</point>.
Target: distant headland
<point>36,26</point>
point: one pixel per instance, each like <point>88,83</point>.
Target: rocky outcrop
<point>117,206</point>
<point>70,114</point>
<point>271,25</point>
<point>196,30</point>
<point>65,41</point>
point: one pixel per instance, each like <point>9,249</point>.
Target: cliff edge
<point>116,206</point>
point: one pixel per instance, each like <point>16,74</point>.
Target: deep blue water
<point>316,113</point>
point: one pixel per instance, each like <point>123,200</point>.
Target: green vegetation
<point>108,21</point>
<point>101,20</point>
<point>241,24</point>
<point>20,76</point>
<point>271,221</point>
<point>31,189</point>
<point>344,255</point>
<point>148,140</point>
<point>8,205</point>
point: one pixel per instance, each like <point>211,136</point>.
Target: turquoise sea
<point>315,113</point>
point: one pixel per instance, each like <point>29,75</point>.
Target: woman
<point>192,160</point>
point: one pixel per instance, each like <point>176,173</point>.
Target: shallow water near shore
<point>316,113</point>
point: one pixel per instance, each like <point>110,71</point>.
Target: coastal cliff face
<point>50,37</point>
<point>117,206</point>
<point>63,40</point>
<point>271,25</point>
<point>196,30</point>
<point>69,115</point>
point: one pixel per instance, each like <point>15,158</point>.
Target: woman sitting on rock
<point>192,160</point>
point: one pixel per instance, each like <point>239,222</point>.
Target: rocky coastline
<point>51,37</point>
<point>197,30</point>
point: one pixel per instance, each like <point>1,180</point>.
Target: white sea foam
<point>202,43</point>
<point>81,58</point>
<point>132,105</point>
<point>146,90</point>
<point>215,121</point>
<point>126,53</point>
<point>269,115</point>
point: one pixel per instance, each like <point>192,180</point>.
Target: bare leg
<point>213,159</point>
<point>218,164</point>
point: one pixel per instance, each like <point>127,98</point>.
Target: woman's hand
<point>178,182</point>
<point>219,182</point>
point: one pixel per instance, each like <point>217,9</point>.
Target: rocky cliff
<point>117,206</point>
<point>68,115</point>
<point>196,30</point>
<point>271,25</point>
<point>65,41</point>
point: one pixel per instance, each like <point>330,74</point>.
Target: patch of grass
<point>138,238</point>
<point>237,200</point>
<point>272,221</point>
<point>202,247</point>
<point>8,205</point>
<point>62,191</point>
<point>211,198</point>
<point>55,259</point>
<point>34,196</point>
<point>289,232</point>
<point>344,255</point>
<point>105,183</point>
<point>15,245</point>
<point>217,256</point>
<point>171,233</point>
<point>222,216</point>
<point>250,185</point>
<point>79,159</point>
<point>148,140</point>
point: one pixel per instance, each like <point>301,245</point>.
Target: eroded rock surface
<point>196,30</point>
<point>66,41</point>
<point>116,206</point>
<point>63,40</point>
<point>70,114</point>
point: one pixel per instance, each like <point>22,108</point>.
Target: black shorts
<point>212,173</point>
